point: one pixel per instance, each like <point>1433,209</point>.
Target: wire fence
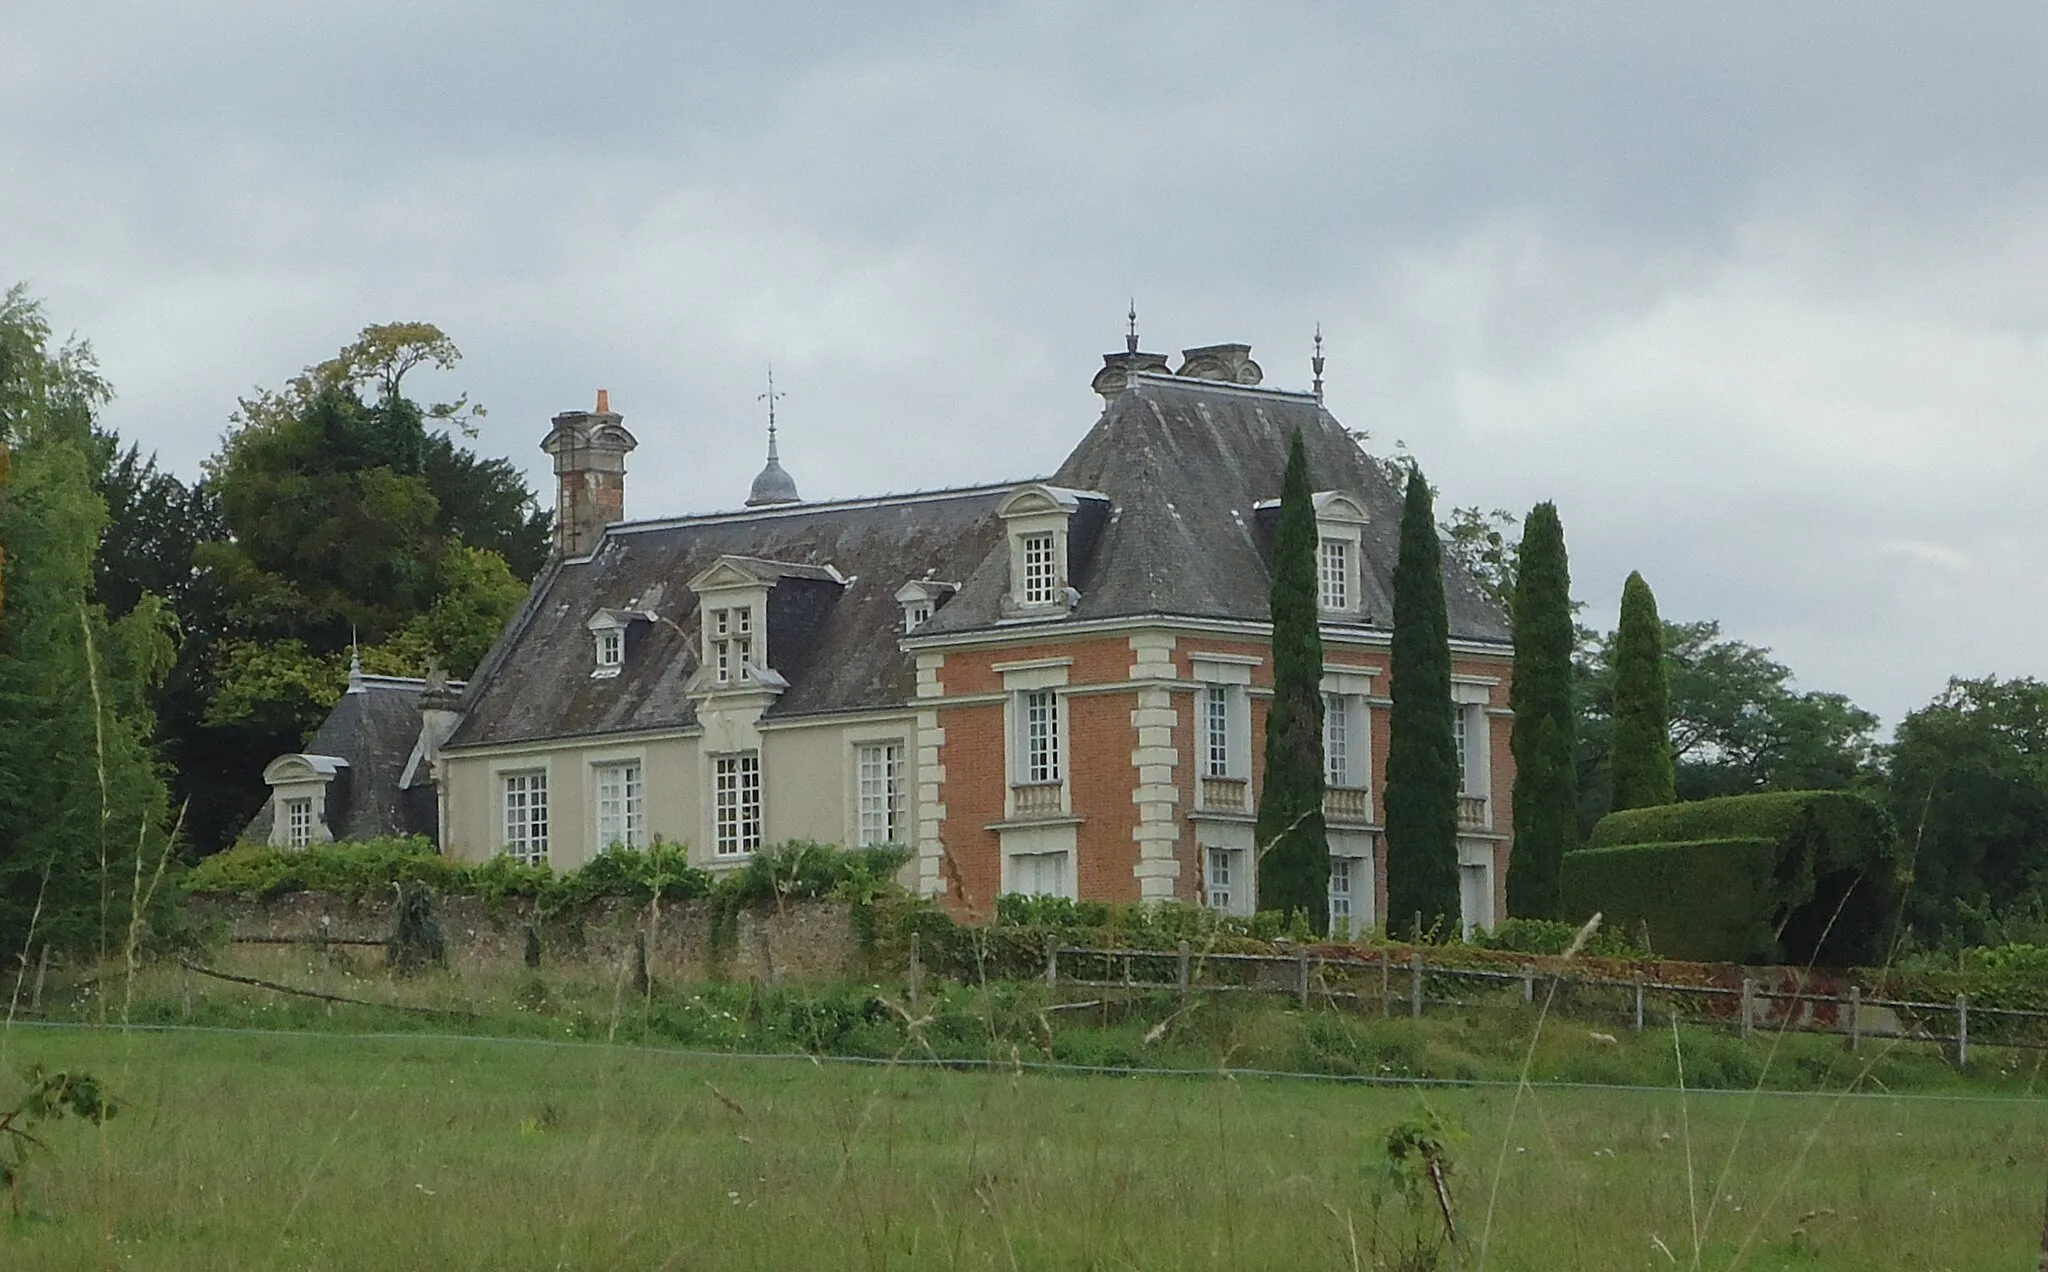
<point>1413,986</point>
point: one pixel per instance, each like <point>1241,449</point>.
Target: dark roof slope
<point>1184,463</point>
<point>837,646</point>
<point>375,731</point>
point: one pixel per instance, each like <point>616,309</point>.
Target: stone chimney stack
<point>590,449</point>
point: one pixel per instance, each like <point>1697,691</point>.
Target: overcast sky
<point>1756,296</point>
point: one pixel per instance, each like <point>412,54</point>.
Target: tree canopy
<point>1640,762</point>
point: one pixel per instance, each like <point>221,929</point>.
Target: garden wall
<point>799,941</point>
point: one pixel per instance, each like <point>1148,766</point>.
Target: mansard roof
<point>833,620</point>
<point>1186,465</point>
<point>363,745</point>
<point>1165,495</point>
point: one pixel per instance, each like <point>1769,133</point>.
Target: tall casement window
<point>737,803</point>
<point>732,643</point>
<point>1335,573</point>
<point>1041,737</point>
<point>1337,739</point>
<point>526,817</point>
<point>1216,730</point>
<point>1460,740</point>
<point>619,816</point>
<point>1041,570</point>
<point>298,823</point>
<point>878,777</point>
<point>1225,883</point>
<point>1345,873</point>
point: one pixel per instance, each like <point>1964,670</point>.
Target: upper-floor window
<point>1460,742</point>
<point>298,823</point>
<point>1335,574</point>
<point>619,807</point>
<point>1041,711</point>
<point>611,647</point>
<point>736,781</point>
<point>1041,570</point>
<point>878,778</point>
<point>526,817</point>
<point>732,643</point>
<point>916,615</point>
<point>1216,730</point>
<point>1337,739</point>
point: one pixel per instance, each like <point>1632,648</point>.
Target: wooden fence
<point>1366,983</point>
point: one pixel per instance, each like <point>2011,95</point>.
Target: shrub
<point>1553,936</point>
<point>1799,876</point>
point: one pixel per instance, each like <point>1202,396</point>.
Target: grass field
<point>304,1150</point>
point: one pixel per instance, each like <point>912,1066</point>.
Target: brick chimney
<point>590,449</point>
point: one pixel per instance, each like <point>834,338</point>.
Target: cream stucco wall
<point>807,787</point>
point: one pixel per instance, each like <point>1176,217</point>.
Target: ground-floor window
<point>1038,874</point>
<point>879,778</point>
<point>1224,880</point>
<point>737,802</point>
<point>526,817</point>
<point>1347,876</point>
<point>619,807</point>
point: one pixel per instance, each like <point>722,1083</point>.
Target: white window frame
<point>1227,882</point>
<point>1334,574</point>
<point>298,814</point>
<point>736,804</point>
<point>729,635</point>
<point>879,792</point>
<point>1040,549</point>
<point>916,615</point>
<point>611,648</point>
<point>619,798</point>
<point>523,803</point>
<point>1218,734</point>
<point>1344,905</point>
<point>1022,868</point>
<point>1039,738</point>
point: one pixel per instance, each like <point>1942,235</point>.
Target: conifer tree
<point>1422,760</point>
<point>1294,866</point>
<point>1545,733</point>
<point>1644,772</point>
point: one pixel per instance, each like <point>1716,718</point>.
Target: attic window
<point>732,643</point>
<point>916,615</point>
<point>611,650</point>
<point>1340,554</point>
<point>1038,519</point>
<point>1335,573</point>
<point>920,599</point>
<point>1041,576</point>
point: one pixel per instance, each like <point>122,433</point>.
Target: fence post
<point>185,987</point>
<point>1528,982</point>
<point>1855,1017</point>
<point>1052,964</point>
<point>1186,970</point>
<point>1748,1004</point>
<point>1301,976</point>
<point>916,972</point>
<point>1386,991</point>
<point>35,1001</point>
<point>1962,1030</point>
<point>1639,1002</point>
<point>1415,985</point>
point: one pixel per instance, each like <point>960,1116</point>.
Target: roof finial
<point>1316,362</point>
<point>769,397</point>
<point>1131,337</point>
<point>355,664</point>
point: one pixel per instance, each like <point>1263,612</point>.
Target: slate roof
<point>1166,524</point>
<point>837,646</point>
<point>375,732</point>
<point>1184,462</point>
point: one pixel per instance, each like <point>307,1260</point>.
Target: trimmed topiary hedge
<point>1788,877</point>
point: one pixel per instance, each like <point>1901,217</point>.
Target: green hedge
<point>1827,891</point>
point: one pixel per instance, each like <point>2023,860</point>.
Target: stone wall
<point>801,941</point>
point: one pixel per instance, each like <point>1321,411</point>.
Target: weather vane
<point>1131,338</point>
<point>769,397</point>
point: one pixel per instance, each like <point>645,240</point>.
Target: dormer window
<point>920,599</point>
<point>1039,519</point>
<point>1340,555</point>
<point>608,634</point>
<point>732,643</point>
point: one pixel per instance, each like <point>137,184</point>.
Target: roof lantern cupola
<point>773,485</point>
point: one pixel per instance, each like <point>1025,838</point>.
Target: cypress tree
<point>1422,760</point>
<point>1545,734</point>
<point>1644,773</point>
<point>1294,862</point>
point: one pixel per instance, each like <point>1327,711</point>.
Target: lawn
<point>308,1150</point>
